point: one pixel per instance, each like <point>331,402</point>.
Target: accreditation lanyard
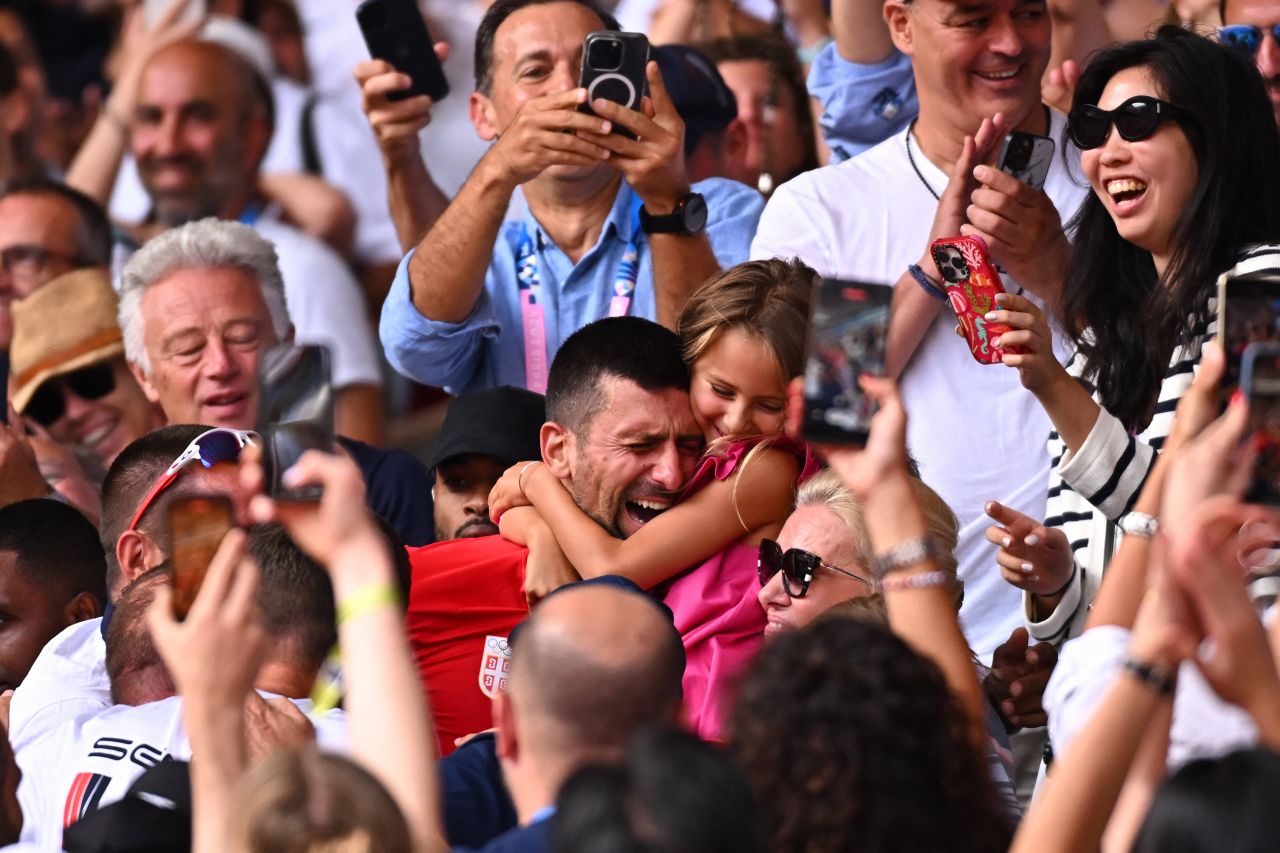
<point>529,279</point>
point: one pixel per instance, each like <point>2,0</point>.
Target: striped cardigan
<point>1090,489</point>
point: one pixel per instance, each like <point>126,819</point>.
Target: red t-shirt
<point>465,597</point>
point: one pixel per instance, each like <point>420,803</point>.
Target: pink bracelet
<point>897,583</point>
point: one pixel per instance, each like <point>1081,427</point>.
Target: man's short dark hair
<point>630,348</point>
<point>57,548</point>
<point>295,595</point>
<point>499,12</point>
<point>129,479</point>
<point>94,239</point>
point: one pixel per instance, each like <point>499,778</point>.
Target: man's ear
<point>506,742</point>
<point>483,116</point>
<point>557,449</point>
<point>144,383</point>
<point>84,606</point>
<point>136,554</point>
<point>901,25</point>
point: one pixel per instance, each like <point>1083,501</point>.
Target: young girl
<point>743,334</point>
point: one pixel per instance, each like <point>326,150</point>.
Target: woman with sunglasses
<point>1177,139</point>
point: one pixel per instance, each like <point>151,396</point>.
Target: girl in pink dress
<point>743,334</point>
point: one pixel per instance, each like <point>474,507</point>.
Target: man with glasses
<point>1253,26</point>
<point>69,372</point>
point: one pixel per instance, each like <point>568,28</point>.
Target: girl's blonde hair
<point>826,489</point>
<point>768,300</point>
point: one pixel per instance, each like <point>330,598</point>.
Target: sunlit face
<point>204,331</point>
<point>973,60</point>
<point>818,530</point>
<point>772,127</point>
<point>461,496</point>
<point>106,425</point>
<point>736,388</point>
<point>192,134</point>
<point>1264,14</point>
<point>536,51</point>
<point>1144,185</point>
<point>637,453</point>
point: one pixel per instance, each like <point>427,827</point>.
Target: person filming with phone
<point>614,225</point>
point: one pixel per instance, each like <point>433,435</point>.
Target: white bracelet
<point>922,580</point>
<point>520,476</point>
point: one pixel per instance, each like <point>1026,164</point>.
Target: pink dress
<point>715,603</point>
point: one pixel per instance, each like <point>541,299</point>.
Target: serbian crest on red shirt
<point>495,666</point>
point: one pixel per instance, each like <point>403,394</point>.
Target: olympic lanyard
<point>529,279</point>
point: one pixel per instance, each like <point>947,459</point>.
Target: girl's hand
<point>547,568</point>
<point>1032,557</point>
<point>1164,631</point>
<point>508,492</point>
<point>1037,366</point>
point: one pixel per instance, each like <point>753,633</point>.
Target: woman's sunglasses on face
<point>798,568</point>
<point>1135,120</point>
<point>1247,37</point>
<point>49,402</point>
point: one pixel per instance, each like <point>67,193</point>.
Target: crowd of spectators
<point>563,572</point>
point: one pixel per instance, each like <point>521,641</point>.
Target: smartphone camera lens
<point>605,55</point>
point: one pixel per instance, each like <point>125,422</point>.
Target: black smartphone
<point>395,31</point>
<point>1027,157</point>
<point>848,327</point>
<point>613,66</point>
<point>1248,313</point>
<point>197,526</point>
<point>295,413</point>
<point>1260,379</point>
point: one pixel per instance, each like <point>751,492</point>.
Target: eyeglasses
<point>49,402</point>
<point>210,448</point>
<point>26,260</point>
<point>1246,37</point>
<point>1135,120</point>
<point>798,568</point>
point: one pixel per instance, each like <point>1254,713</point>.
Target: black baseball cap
<point>501,422</point>
<point>153,817</point>
<point>700,95</point>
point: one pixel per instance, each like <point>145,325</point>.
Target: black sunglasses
<point>1246,37</point>
<point>49,402</point>
<point>1135,120</point>
<point>798,568</point>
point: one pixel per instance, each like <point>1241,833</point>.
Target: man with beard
<point>484,433</point>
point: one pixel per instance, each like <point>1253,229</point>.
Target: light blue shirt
<point>862,105</point>
<point>487,349</point>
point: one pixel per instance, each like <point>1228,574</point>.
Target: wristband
<point>367,599</point>
<point>520,476</point>
<point>904,555</point>
<point>921,580</point>
<point>930,286</point>
<point>1065,586</point>
<point>1156,677</point>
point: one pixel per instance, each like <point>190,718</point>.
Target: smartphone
<point>1027,157</point>
<point>613,65</point>
<point>972,284</point>
<point>848,327</point>
<point>295,413</point>
<point>153,9</point>
<point>1260,379</point>
<point>1248,312</point>
<point>197,526</point>
<point>395,31</point>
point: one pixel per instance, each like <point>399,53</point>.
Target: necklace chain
<point>911,158</point>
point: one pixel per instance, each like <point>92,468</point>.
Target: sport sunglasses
<point>210,448</point>
<point>1135,120</point>
<point>798,568</point>
<point>1246,37</point>
<point>49,402</point>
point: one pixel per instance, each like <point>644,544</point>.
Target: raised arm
<point>860,32</point>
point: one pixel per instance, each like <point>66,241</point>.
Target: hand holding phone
<point>197,526</point>
<point>1248,313</point>
<point>972,283</point>
<point>395,31</point>
<point>1027,157</point>
<point>613,68</point>
<point>295,413</point>
<point>1260,381</point>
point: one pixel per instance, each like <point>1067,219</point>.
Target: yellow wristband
<point>366,599</point>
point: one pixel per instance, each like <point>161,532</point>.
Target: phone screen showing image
<point>848,327</point>
<point>197,526</point>
<point>1260,379</point>
<point>1248,313</point>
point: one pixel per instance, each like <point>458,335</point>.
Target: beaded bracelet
<point>905,554</point>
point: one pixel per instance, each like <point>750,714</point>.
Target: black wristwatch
<point>689,218</point>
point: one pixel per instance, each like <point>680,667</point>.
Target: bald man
<point>198,134</point>
<point>596,662</point>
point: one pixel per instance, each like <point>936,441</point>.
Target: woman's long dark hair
<point>1111,287</point>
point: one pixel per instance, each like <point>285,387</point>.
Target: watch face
<point>695,213</point>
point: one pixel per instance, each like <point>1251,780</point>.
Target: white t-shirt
<point>977,434</point>
<point>91,761</point>
<point>68,680</point>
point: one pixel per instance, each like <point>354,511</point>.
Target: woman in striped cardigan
<point>1178,140</point>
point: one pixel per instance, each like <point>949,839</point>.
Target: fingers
<point>989,135</point>
<point>1017,525</point>
<point>1012,652</point>
<point>370,68</point>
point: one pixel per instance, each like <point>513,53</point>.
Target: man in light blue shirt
<point>613,225</point>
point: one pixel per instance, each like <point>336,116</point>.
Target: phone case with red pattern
<point>972,284</point>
